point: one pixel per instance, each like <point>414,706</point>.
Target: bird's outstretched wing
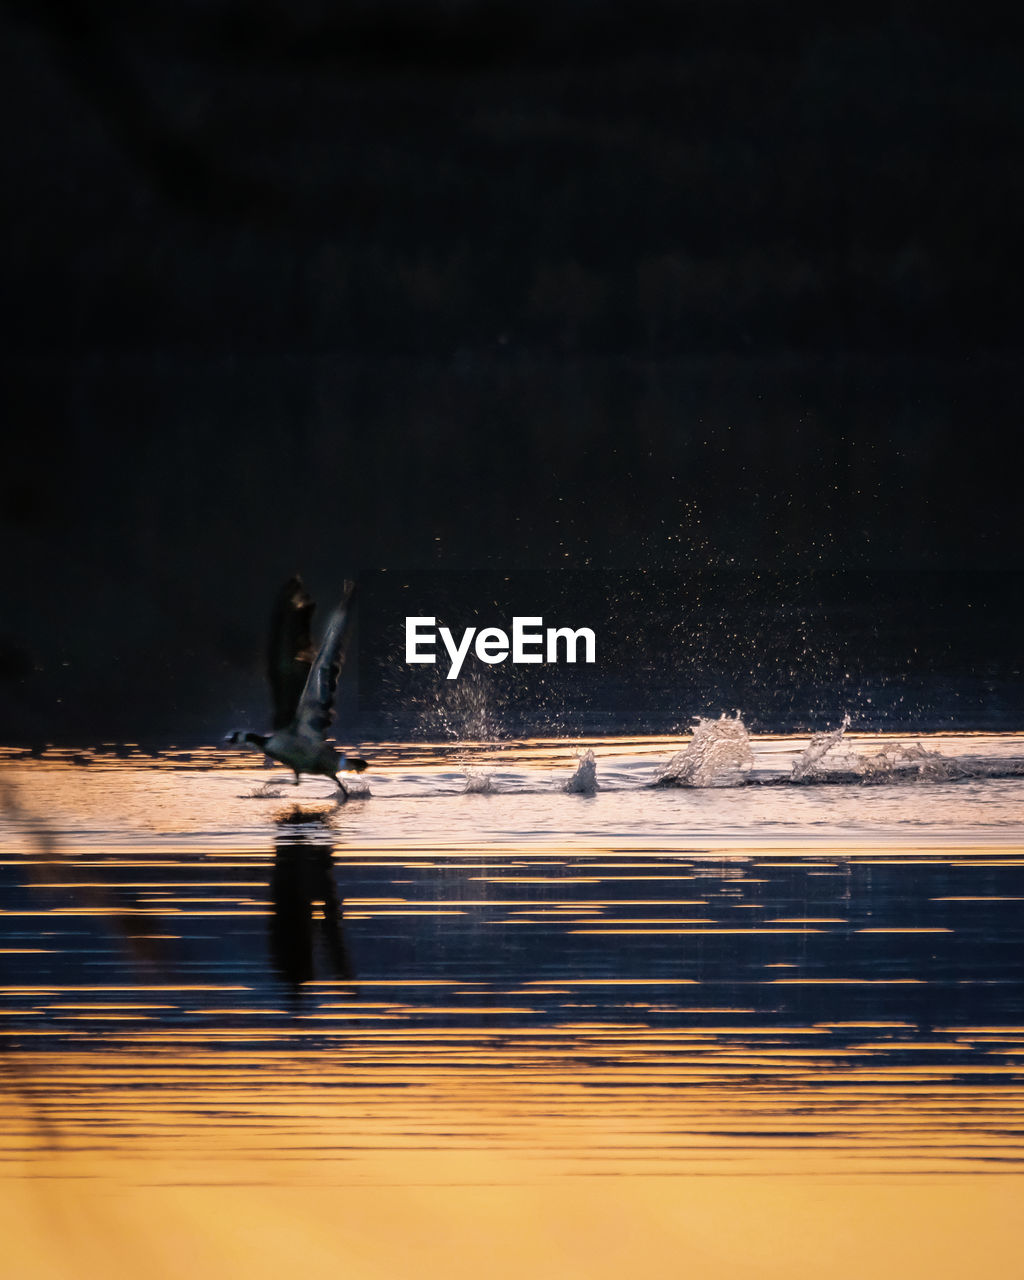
<point>316,706</point>
<point>290,651</point>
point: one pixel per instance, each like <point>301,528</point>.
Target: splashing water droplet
<point>807,763</point>
<point>478,782</point>
<point>584,778</point>
<point>716,755</point>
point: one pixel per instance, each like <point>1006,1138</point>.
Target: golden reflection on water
<point>229,1052</point>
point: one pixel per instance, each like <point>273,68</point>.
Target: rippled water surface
<point>473,1020</point>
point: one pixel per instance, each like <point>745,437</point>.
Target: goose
<point>303,685</point>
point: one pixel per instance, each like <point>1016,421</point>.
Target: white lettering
<point>457,653</point>
<point>492,645</point>
<point>522,637</point>
<point>571,639</point>
<point>413,639</point>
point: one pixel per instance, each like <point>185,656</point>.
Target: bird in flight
<point>303,685</point>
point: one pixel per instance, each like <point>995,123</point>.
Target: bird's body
<point>301,719</point>
<point>305,753</point>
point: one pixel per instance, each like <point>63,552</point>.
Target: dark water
<point>316,1000</point>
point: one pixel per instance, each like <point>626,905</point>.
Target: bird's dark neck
<point>256,739</point>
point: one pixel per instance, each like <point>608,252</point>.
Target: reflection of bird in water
<point>303,688</point>
<point>302,885</point>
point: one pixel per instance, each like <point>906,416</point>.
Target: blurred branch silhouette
<point>46,866</point>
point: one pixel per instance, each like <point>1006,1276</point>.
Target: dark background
<point>704,292</point>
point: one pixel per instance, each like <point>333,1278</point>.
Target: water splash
<point>479,782</point>
<point>897,762</point>
<point>584,778</point>
<point>265,791</point>
<point>467,710</point>
<point>716,755</point>
<point>807,763</point>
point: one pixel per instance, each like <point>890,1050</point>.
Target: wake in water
<point>352,788</point>
<point>896,762</point>
<point>584,778</point>
<point>716,756</point>
<point>720,755</point>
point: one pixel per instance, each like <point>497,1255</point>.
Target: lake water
<point>765,1019</point>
